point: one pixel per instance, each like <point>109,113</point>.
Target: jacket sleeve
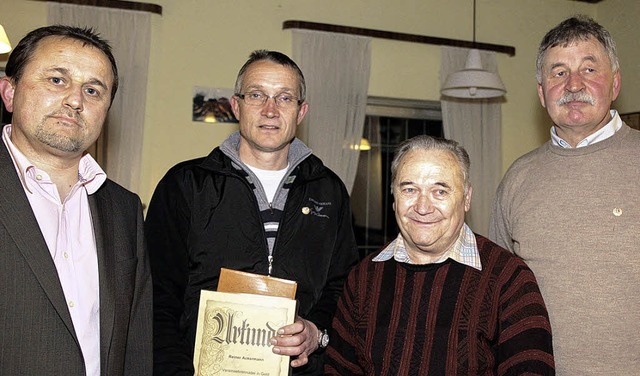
<point>139,351</point>
<point>166,231</point>
<point>344,257</point>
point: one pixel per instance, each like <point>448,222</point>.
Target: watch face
<point>324,339</point>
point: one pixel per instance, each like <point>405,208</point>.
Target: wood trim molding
<point>293,24</point>
<point>116,4</point>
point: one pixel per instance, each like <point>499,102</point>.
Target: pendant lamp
<point>5,46</point>
<point>473,81</point>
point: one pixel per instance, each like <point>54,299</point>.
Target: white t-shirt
<point>270,179</point>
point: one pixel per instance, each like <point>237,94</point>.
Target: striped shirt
<point>395,318</point>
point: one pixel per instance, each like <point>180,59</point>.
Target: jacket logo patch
<point>316,208</point>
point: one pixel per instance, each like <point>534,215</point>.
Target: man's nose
<point>575,83</point>
<point>74,98</point>
<point>423,205</point>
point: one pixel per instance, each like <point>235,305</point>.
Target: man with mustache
<point>571,207</point>
<point>75,284</point>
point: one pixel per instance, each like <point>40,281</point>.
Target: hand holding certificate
<point>234,328</point>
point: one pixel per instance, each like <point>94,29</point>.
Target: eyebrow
<point>442,184</point>
<point>92,81</point>
<point>590,58</point>
<point>261,88</point>
<point>438,183</point>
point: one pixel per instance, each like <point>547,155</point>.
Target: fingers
<point>296,340</point>
<point>300,361</point>
<point>291,329</point>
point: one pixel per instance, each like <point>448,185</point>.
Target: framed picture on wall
<point>211,105</point>
<point>632,119</point>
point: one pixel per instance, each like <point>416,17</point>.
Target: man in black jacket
<point>262,203</point>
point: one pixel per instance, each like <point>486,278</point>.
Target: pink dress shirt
<point>68,231</point>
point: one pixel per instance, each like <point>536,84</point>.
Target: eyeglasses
<point>258,98</point>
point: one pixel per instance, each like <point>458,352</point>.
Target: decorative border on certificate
<point>233,333</point>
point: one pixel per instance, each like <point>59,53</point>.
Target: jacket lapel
<point>101,215</point>
<point>21,225</point>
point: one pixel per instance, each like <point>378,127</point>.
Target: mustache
<point>576,97</point>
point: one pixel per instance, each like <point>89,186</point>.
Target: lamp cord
<point>474,22</point>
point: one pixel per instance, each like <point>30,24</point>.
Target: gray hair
<point>274,57</point>
<point>574,29</point>
<point>424,142</point>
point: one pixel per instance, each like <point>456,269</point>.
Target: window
<point>387,124</point>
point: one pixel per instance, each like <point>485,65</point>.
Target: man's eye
<point>256,95</point>
<point>92,91</point>
<point>285,98</point>
<point>56,80</point>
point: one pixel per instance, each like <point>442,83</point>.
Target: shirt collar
<point>464,250</point>
<point>90,174</point>
<point>601,134</point>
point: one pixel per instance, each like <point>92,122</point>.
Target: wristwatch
<point>323,339</point>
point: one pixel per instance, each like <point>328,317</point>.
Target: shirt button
<point>617,212</point>
<point>38,177</point>
<point>71,304</point>
<point>66,255</point>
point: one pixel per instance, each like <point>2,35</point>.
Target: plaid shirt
<point>464,250</point>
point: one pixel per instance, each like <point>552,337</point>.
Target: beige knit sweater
<point>573,215</point>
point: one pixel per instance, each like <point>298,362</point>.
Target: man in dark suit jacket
<point>75,286</point>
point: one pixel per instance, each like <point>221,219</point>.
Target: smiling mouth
<point>425,222</point>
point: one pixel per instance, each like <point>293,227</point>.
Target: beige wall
<point>204,43</point>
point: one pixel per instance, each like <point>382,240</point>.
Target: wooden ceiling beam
<point>292,24</point>
<point>115,4</point>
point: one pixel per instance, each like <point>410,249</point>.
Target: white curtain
<point>128,33</point>
<point>336,68</point>
<point>476,125</point>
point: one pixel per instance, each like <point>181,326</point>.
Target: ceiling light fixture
<point>473,81</point>
<point>5,46</point>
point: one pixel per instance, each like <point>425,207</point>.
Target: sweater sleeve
<point>341,357</point>
<point>524,345</point>
<point>166,231</point>
<point>499,227</point>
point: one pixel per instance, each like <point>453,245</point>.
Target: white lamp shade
<point>5,46</point>
<point>473,81</point>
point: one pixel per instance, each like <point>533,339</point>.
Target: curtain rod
<point>116,4</point>
<point>294,24</point>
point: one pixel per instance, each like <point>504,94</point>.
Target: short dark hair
<point>275,57</point>
<point>424,142</point>
<point>576,28</point>
<point>23,52</point>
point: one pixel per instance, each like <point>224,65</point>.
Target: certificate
<point>233,333</point>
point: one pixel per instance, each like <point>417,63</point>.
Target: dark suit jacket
<point>36,332</point>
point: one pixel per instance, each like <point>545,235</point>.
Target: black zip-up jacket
<point>204,216</point>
